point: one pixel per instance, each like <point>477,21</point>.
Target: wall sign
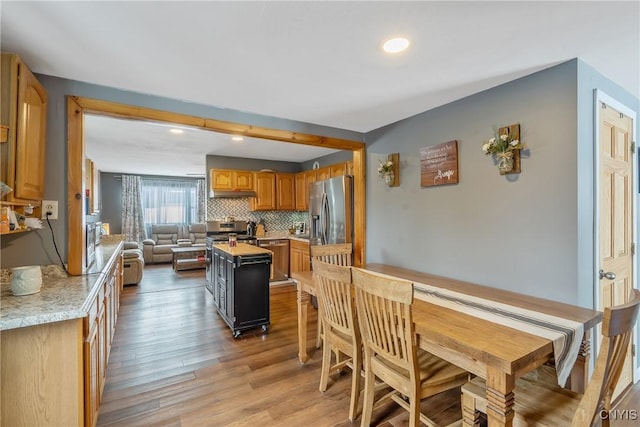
<point>439,164</point>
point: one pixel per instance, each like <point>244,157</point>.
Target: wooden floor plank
<point>174,363</point>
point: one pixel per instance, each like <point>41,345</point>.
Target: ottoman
<point>133,264</point>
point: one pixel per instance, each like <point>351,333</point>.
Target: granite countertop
<point>62,297</point>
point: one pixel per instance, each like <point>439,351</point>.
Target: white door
<point>616,213</point>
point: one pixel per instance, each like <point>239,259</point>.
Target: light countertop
<point>284,234</point>
<point>242,249</point>
<point>61,297</point>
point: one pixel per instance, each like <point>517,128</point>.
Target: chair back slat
<point>617,326</point>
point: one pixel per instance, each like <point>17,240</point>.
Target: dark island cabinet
<point>240,286</point>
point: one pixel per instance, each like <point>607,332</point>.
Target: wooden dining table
<point>497,353</point>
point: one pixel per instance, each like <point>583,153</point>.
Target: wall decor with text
<point>439,164</point>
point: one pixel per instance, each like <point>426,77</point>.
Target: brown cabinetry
<point>54,372</point>
<point>323,173</point>
<point>285,192</point>
<point>349,168</point>
<point>265,188</point>
<point>91,369</point>
<point>299,256</point>
<point>24,113</point>
<point>100,326</point>
<point>274,191</point>
<point>303,180</point>
<point>338,170</point>
<point>228,179</point>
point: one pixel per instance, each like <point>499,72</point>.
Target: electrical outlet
<point>50,206</point>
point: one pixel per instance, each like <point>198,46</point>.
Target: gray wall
<point>530,232</point>
<point>328,160</point>
<point>111,198</point>
<point>36,247</point>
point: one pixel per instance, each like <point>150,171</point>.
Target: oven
<point>218,232</point>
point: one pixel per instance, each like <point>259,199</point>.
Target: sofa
<point>157,248</point>
<point>133,264</point>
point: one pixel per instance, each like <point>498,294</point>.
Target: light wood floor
<point>174,363</point>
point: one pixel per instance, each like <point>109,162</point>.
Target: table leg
<point>580,371</point>
<point>303,303</point>
<point>500,399</point>
<point>470,411</point>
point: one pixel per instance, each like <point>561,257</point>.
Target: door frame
<point>76,108</point>
<point>602,97</point>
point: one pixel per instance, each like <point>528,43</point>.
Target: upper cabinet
<point>338,170</point>
<point>303,180</point>
<point>332,171</point>
<point>323,173</point>
<point>285,191</point>
<point>306,178</point>
<point>24,113</point>
<point>227,179</point>
<point>265,189</point>
<point>274,191</point>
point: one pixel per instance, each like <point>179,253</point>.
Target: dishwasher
<point>280,249</point>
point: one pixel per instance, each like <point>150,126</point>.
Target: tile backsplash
<point>239,208</point>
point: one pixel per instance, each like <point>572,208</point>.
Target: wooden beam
<point>76,233</point>
<point>77,106</point>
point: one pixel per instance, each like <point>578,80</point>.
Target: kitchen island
<point>241,285</point>
<point>55,343</point>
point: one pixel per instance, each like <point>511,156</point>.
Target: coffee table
<point>188,257</point>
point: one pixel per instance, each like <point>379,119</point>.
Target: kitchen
<point>331,221</point>
<point>458,221</point>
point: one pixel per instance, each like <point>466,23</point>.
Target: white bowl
<point>26,280</point>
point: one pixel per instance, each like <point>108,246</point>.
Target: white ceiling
<point>315,61</point>
<point>134,146</point>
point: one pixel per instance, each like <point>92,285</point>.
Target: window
<point>168,201</point>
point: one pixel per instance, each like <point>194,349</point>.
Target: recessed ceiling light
<point>176,131</point>
<point>395,45</point>
<point>237,138</point>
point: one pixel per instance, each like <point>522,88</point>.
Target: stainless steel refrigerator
<point>331,211</point>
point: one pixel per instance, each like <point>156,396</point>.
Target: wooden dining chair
<point>341,332</point>
<point>539,403</point>
<point>338,254</point>
<point>390,347</point>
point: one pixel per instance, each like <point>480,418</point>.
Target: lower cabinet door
<point>91,383</point>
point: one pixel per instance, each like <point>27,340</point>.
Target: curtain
<point>169,201</point>
<point>202,200</point>
<point>132,213</point>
